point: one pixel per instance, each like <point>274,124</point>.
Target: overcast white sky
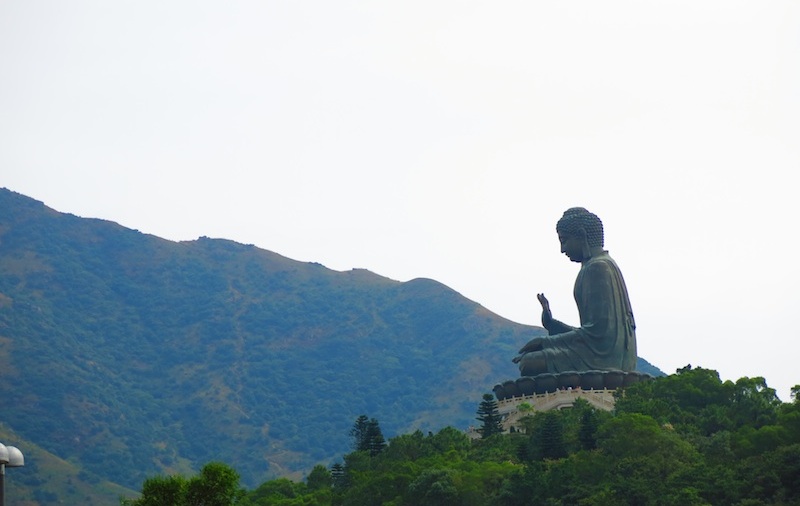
<point>441,139</point>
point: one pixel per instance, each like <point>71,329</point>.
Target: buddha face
<point>572,245</point>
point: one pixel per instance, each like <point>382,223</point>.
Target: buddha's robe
<point>606,338</point>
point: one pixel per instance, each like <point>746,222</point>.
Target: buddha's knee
<point>532,364</point>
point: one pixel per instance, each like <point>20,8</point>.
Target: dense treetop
<point>664,445</point>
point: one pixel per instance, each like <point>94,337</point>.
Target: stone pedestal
<point>510,408</point>
<point>530,394</point>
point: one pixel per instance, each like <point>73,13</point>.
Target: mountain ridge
<point>137,355</point>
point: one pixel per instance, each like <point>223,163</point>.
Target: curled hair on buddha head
<point>576,218</point>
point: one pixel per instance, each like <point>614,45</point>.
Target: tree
<point>160,490</point>
<point>754,403</point>
<point>449,439</point>
<point>367,436</point>
<point>318,478</point>
<point>548,440</point>
<point>489,416</point>
<point>375,440</point>
<point>276,491</point>
<point>216,485</point>
<point>409,447</point>
<point>587,432</point>
<point>434,487</point>
<point>338,477</point>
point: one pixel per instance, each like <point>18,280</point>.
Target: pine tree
<point>549,439</point>
<point>375,440</point>
<point>489,416</point>
<point>367,436</point>
<point>338,477</point>
<point>587,432</point>
<point>359,433</point>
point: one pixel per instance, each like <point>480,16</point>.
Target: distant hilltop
<point>132,355</point>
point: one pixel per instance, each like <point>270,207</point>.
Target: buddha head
<point>579,232</point>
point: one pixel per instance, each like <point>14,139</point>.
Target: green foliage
<point>160,490</point>
<point>587,433</point>
<point>489,416</point>
<point>367,436</point>
<point>555,434</point>
<point>576,456</point>
<point>338,476</point>
<point>284,492</point>
<point>434,469</point>
<point>696,400</point>
<point>433,487</point>
<point>140,354</point>
<point>319,478</point>
<point>216,485</point>
<point>524,407</point>
<point>684,439</point>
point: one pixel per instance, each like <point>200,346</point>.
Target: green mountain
<point>679,440</point>
<point>49,479</point>
<point>130,355</point>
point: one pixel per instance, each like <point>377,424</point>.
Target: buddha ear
<point>581,234</point>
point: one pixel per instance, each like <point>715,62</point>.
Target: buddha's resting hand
<point>534,344</point>
<point>547,315</point>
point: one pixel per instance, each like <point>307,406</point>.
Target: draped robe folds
<point>606,339</point>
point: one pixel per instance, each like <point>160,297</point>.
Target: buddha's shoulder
<point>602,262</point>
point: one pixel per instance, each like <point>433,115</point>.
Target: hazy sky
<point>441,139</point>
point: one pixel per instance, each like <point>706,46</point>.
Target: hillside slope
<point>133,355</point>
<point>49,479</point>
